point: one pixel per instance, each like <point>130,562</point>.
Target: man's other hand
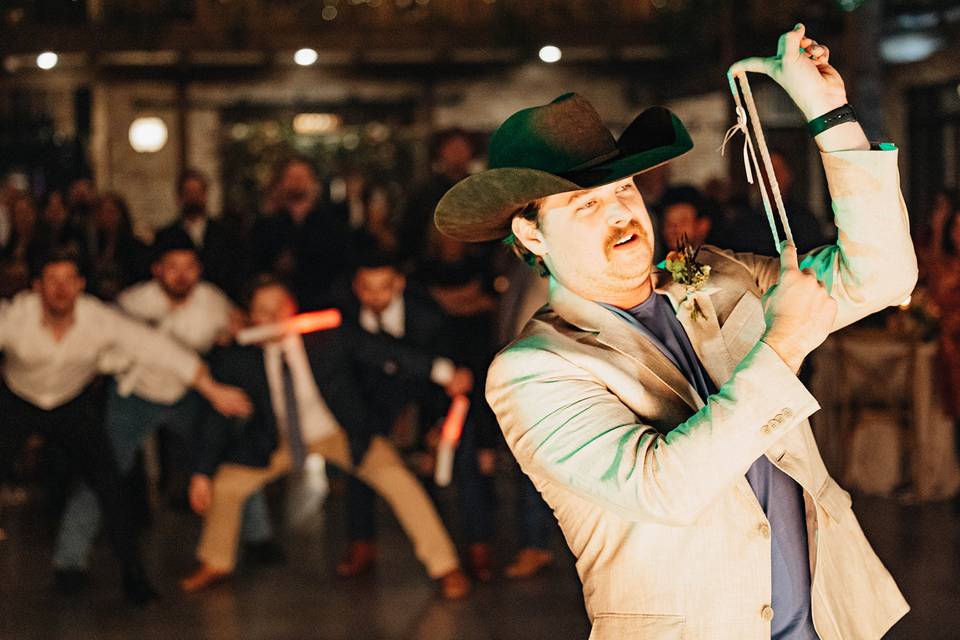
<point>798,310</point>
<point>201,493</point>
<point>461,384</point>
<point>229,401</point>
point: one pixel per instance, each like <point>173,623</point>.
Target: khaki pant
<point>381,468</point>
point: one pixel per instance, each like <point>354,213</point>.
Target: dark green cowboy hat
<point>558,147</point>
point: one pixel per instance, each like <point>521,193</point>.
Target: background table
<point>881,426</point>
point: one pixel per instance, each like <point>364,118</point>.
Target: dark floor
<point>303,599</point>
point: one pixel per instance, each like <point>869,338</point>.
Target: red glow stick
<point>301,324</point>
<point>449,439</point>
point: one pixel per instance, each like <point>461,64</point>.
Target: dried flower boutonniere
<point>683,266</point>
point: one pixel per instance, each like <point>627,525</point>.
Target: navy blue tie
<point>298,449</point>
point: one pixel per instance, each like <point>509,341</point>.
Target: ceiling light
<point>909,47</point>
<point>47,60</point>
<point>550,53</point>
<point>311,124</point>
<point>305,57</point>
<point>148,134</point>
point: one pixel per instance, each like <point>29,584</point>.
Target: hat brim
<point>480,207</point>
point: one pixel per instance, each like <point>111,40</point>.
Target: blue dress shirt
<point>778,494</point>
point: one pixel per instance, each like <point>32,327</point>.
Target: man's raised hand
<point>802,67</point>
<point>798,311</point>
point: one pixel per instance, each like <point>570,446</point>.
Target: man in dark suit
<point>305,242</point>
<point>218,242</point>
<point>380,304</point>
<point>307,400</point>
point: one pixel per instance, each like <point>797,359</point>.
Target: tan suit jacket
<point>648,483</point>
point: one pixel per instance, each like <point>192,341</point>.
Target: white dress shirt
<point>316,419</point>
<point>393,320</point>
<point>195,323</point>
<point>49,373</point>
<point>196,229</point>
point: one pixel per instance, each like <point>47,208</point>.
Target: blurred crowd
<point>111,336</point>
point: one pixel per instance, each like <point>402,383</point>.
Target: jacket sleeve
<point>873,263</point>
<point>388,355</point>
<point>215,431</point>
<point>565,426</point>
<point>149,345</point>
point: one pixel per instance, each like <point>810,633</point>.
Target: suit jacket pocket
<point>637,626</point>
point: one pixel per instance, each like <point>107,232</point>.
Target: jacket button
<point>765,530</point>
<point>766,429</point>
<point>779,418</point>
<point>767,613</point>
<point>787,412</point>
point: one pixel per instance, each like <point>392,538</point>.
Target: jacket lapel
<point>703,331</point>
<point>619,335</point>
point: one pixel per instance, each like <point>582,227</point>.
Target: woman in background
<point>22,247</point>
<point>943,273</point>
<point>117,258</point>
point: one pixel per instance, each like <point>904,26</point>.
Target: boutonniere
<point>683,266</point>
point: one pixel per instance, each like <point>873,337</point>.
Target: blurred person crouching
<point>307,399</point>
<point>144,397</point>
<point>398,317</point>
<point>55,341</point>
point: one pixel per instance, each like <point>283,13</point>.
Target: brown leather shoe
<point>528,563</point>
<point>205,576</point>
<point>455,585</point>
<point>358,559</point>
<point>481,561</point>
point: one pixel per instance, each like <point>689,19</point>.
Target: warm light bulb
<point>550,53</point>
<point>305,57</point>
<point>148,134</point>
<point>47,60</point>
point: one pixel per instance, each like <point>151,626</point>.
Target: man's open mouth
<point>628,239</point>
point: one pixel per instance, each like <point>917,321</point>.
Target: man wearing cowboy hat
<point>661,417</point>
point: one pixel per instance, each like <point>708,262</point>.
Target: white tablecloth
<point>881,425</point>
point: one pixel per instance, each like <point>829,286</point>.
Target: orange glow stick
<point>303,323</point>
<point>449,439</point>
